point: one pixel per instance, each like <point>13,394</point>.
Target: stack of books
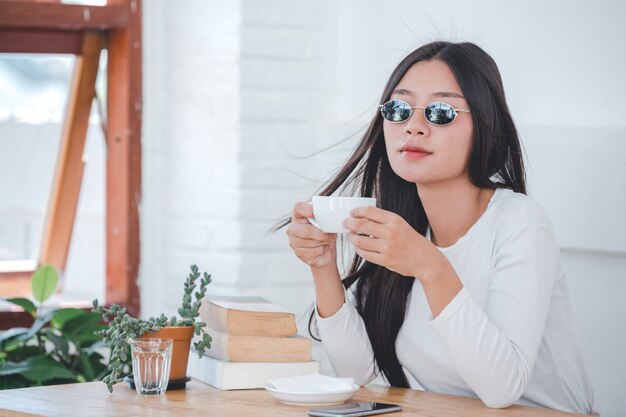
<point>253,341</point>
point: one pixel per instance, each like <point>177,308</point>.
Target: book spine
<point>242,348</point>
<point>246,322</point>
<point>260,324</point>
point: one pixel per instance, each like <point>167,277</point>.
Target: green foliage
<point>122,327</point>
<point>25,303</point>
<point>44,282</point>
<point>59,347</point>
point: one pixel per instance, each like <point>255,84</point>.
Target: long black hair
<point>495,161</point>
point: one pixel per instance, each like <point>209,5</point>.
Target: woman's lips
<point>414,154</point>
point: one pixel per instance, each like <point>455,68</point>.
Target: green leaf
<point>86,339</point>
<point>86,367</point>
<point>80,323</point>
<point>61,381</point>
<point>38,369</point>
<point>16,334</point>
<point>13,381</point>
<point>98,365</point>
<point>61,344</point>
<point>44,282</point>
<point>40,322</point>
<point>24,352</point>
<point>63,315</point>
<point>81,328</point>
<point>12,368</point>
<point>25,303</point>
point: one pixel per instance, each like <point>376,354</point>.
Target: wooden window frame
<point>49,27</point>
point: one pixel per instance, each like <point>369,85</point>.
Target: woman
<point>457,278</point>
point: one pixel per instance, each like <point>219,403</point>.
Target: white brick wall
<point>218,176</point>
<point>286,74</point>
<point>230,97</point>
<point>191,143</point>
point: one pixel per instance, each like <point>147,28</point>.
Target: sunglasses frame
<point>456,111</point>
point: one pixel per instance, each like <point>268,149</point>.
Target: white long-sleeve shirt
<point>507,337</point>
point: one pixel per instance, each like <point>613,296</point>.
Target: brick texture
<point>236,106</point>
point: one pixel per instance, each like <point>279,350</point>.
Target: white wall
<point>298,76</point>
<point>217,177</point>
<point>191,141</point>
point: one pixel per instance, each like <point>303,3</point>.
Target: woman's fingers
<point>297,242</point>
<point>372,213</point>
<point>309,244</point>
<point>363,226</point>
<point>308,231</point>
<point>301,212</point>
<point>373,257</point>
<point>315,256</point>
<point>366,242</point>
<point>309,253</point>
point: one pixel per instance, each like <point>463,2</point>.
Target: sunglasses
<point>438,113</point>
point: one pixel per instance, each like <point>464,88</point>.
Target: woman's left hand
<point>386,239</point>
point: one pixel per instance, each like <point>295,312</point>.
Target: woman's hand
<point>311,245</point>
<point>386,239</point>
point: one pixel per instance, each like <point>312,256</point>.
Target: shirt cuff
<point>450,310</point>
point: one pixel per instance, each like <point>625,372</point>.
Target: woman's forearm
<point>441,284</point>
<point>329,292</point>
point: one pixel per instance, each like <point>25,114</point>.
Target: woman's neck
<point>452,209</point>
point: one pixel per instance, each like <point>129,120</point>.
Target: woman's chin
<point>413,176</point>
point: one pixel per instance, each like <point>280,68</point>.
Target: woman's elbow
<point>501,398</point>
<point>506,390</point>
<point>498,402</point>
<point>363,380</point>
<point>503,395</point>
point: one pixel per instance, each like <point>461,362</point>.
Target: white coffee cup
<point>330,212</point>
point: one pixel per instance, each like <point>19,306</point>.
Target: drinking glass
<point>152,359</point>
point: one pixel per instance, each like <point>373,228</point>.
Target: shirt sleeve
<point>494,350</point>
<point>345,339</point>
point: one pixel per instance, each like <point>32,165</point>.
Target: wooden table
<point>93,399</point>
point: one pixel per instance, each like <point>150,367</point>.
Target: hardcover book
<point>252,316</point>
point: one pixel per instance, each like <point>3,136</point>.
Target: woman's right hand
<point>310,244</point>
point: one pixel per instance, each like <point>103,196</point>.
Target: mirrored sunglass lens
<point>396,111</point>
<point>440,113</point>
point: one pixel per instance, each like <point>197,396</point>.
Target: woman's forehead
<point>432,78</point>
<point>404,92</point>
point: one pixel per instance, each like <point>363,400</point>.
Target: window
<point>84,31</point>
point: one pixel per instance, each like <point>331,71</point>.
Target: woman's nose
<point>416,125</point>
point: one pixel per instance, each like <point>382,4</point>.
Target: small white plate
<point>309,398</point>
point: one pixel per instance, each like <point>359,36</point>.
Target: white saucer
<point>308,398</point>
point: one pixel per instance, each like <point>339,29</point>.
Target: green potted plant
<point>59,347</point>
<point>121,328</point>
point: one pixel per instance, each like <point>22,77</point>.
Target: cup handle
<point>312,219</point>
